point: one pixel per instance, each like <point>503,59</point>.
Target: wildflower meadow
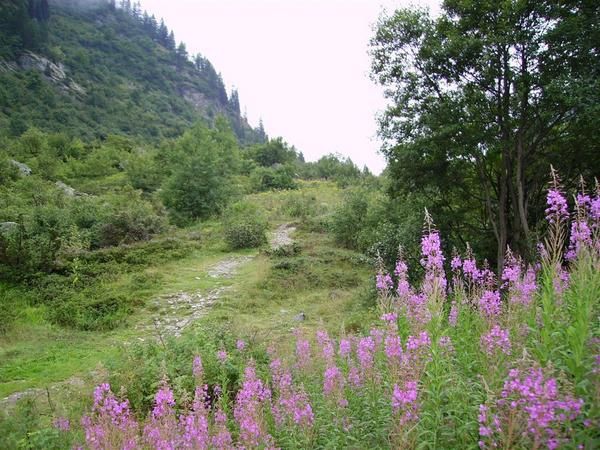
<point>467,358</point>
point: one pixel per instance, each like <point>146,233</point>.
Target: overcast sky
<point>300,65</point>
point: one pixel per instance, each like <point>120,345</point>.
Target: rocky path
<point>172,313</point>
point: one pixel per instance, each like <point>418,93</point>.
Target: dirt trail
<point>172,313</point>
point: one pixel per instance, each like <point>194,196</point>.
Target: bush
<point>348,220</point>
<point>273,178</point>
<point>300,205</point>
<point>91,310</point>
<point>245,226</point>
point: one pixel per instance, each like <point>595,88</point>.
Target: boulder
<point>68,190</point>
<point>24,169</point>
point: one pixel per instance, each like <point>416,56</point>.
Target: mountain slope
<point>98,70</point>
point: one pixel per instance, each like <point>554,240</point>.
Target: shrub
<point>273,178</point>
<point>245,226</point>
<point>347,221</point>
<point>300,205</point>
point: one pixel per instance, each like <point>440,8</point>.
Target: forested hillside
<point>91,69</point>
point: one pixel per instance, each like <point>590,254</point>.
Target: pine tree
<point>171,41</point>
<point>234,101</point>
<point>163,33</point>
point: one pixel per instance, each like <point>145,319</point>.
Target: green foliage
<point>124,76</point>
<point>200,184</point>
<point>333,167</point>
<point>244,226</point>
<point>301,205</point>
<point>143,366</point>
<point>479,110</point>
<point>273,178</point>
<point>370,222</point>
<point>272,152</point>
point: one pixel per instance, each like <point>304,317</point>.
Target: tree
<point>275,151</point>
<point>484,99</point>
<point>171,41</point>
<point>182,55</point>
<point>205,160</point>
<point>234,102</point>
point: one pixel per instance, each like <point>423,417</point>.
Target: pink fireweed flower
<point>302,353</point>
<point>110,422</point>
<point>561,280</point>
<point>393,348</point>
<point>489,304</point>
<point>433,261</point>
<point>497,340</point>
<point>524,289</point>
<point>197,369</point>
<point>364,352</point>
<point>403,288</point>
<point>446,344</point>
<point>161,431</point>
<point>595,211</point>
<point>511,273</point>
<point>557,209</point>
<point>194,425</point>
<point>292,404</point>
<point>327,349</point>
<point>222,356</point>
<point>453,316</point>
<point>417,342</point>
<point>61,424</point>
<point>354,377</point>
<point>250,401</point>
<point>377,335</point>
<point>404,402</point>
<point>383,282</point>
<point>345,348</point>
<point>221,438</point>
<point>333,383</point>
<point>581,237</point>
<point>532,402</point>
<point>470,270</point>
<point>389,317</point>
<point>456,263</point>
<point>416,309</point>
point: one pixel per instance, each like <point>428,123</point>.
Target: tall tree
<point>234,102</point>
<point>484,98</point>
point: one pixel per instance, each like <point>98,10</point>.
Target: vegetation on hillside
<point>474,361</point>
<point>98,70</point>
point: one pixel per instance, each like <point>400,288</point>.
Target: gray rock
<point>53,72</point>
<point>68,190</point>
<point>300,317</point>
<point>23,168</point>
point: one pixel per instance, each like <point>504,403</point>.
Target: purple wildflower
<point>489,304</point>
<point>404,402</point>
<point>497,340</point>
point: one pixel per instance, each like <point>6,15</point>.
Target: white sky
<point>300,65</point>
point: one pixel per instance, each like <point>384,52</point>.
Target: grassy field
<point>267,292</point>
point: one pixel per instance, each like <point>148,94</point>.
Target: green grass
<point>323,281</point>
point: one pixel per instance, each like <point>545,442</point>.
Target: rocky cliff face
<point>54,73</point>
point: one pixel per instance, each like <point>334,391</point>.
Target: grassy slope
<point>323,281</point>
